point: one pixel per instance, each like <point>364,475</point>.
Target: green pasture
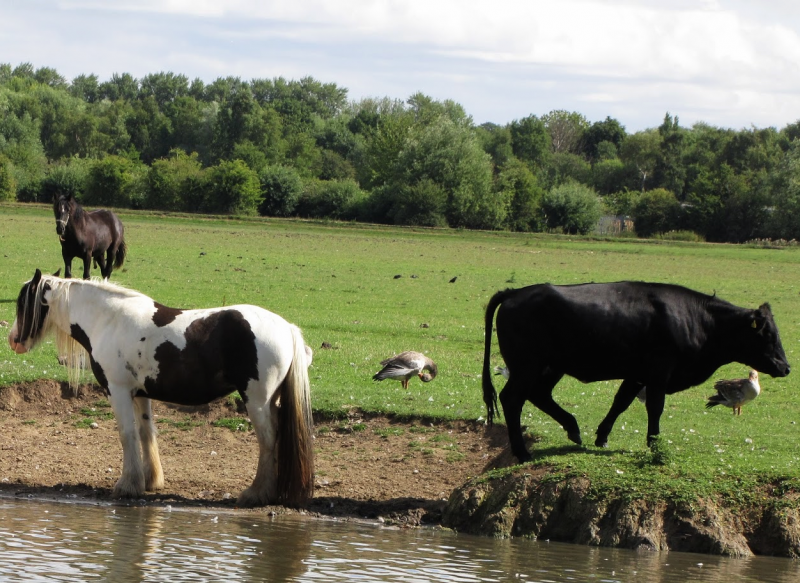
<point>337,282</point>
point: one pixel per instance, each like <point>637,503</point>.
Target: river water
<point>45,541</point>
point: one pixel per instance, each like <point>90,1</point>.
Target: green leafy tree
<point>8,184</point>
<point>641,151</point>
<point>572,208</point>
<point>566,130</point>
<point>608,130</point>
<point>524,192</point>
<point>530,140</point>
<point>783,189</point>
<point>450,155</point>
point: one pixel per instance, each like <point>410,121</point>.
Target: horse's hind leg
<point>131,483</point>
<point>153,474</point>
<point>264,417</point>
<point>105,264</point>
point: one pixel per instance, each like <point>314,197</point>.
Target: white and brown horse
<point>140,350</point>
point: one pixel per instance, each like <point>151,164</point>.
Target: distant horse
<point>140,350</point>
<point>91,235</point>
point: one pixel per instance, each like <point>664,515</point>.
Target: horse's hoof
<point>601,443</point>
<point>575,438</point>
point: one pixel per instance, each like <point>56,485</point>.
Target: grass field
<point>337,282</point>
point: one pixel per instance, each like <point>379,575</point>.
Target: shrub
<point>281,188</point>
<point>572,208</point>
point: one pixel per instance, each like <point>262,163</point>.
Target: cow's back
<point>601,331</point>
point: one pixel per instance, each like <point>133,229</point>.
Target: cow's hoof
<point>575,438</point>
<point>524,457</point>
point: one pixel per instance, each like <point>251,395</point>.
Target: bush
<point>331,199</point>
<point>281,188</point>
<point>690,236</point>
<point>232,188</point>
<point>656,211</point>
<point>65,178</point>
<point>422,204</point>
<point>572,208</point>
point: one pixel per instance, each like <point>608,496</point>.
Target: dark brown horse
<point>91,235</point>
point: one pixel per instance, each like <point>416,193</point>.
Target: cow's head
<point>762,344</point>
<point>32,310</point>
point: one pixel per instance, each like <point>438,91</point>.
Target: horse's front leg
<point>87,265</point>
<point>153,474</point>
<point>131,483</point>
<point>263,414</point>
<point>67,265</point>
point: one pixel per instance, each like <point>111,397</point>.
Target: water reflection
<point>64,542</point>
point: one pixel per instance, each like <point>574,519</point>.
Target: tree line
<point>278,147</point>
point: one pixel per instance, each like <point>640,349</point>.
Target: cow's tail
<point>489,393</point>
<point>295,430</point>
<point>122,251</point>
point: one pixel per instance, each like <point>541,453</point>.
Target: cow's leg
<point>153,474</point>
<point>512,398</point>
<point>622,400</point>
<point>655,407</point>
<point>264,417</point>
<point>541,395</point>
<point>131,483</point>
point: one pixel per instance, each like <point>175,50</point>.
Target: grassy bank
<point>337,282</point>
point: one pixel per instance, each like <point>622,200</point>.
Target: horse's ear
<point>57,273</point>
<point>37,277</point>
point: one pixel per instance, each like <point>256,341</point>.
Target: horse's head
<point>32,310</point>
<point>62,209</point>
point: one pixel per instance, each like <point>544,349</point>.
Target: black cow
<point>665,337</point>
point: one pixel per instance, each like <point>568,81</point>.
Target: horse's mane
<point>70,352</point>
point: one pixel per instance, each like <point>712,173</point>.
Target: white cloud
<point>735,62</point>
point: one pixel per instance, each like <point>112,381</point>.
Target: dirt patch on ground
<point>57,444</point>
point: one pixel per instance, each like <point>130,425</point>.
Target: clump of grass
<point>233,423</point>
<point>183,424</point>
<point>387,431</point>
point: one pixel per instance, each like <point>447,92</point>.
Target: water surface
<point>42,541</point>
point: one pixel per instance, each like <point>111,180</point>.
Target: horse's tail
<point>122,251</point>
<point>295,428</point>
<point>489,393</point>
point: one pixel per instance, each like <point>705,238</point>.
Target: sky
<point>728,63</point>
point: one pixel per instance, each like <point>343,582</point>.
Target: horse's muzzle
<point>13,341</point>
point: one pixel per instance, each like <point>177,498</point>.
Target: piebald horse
<point>141,350</point>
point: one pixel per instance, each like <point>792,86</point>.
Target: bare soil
<point>56,444</point>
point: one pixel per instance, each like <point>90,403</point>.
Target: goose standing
<point>405,365</point>
<point>734,393</point>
